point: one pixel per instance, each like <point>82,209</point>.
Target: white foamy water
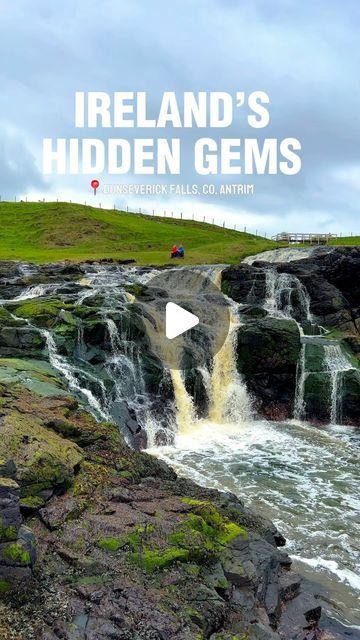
<point>304,478</point>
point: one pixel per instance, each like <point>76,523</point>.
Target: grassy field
<point>351,240</point>
<point>48,232</point>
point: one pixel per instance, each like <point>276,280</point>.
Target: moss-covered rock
<point>7,320</point>
<point>350,394</point>
<point>267,354</point>
<point>40,312</point>
<point>198,537</point>
<point>44,460</point>
<point>37,376</point>
<point>317,393</point>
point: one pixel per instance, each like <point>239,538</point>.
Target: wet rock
<point>350,394</point>
<point>289,586</point>
<point>21,340</point>
<point>267,353</point>
<point>300,618</point>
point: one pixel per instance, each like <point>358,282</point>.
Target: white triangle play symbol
<point>178,320</point>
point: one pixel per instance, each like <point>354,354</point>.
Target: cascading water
<point>281,289</point>
<point>288,471</point>
<point>337,364</point>
<point>287,298</point>
<point>61,364</point>
<point>299,405</point>
<point>229,399</point>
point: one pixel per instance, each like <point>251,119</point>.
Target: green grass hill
<point>47,232</point>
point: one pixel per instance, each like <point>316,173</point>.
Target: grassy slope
<point>353,240</point>
<point>46,232</point>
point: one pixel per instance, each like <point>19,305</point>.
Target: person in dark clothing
<point>181,251</point>
<point>174,252</point>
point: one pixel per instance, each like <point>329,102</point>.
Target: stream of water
<point>305,478</point>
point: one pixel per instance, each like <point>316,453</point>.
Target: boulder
<point>267,354</point>
<point>45,461</point>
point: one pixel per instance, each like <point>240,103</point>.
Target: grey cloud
<point>18,171</point>
<point>306,56</point>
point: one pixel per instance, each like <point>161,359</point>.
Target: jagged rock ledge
<point>124,548</point>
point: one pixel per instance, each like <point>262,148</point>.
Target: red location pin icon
<point>95,185</point>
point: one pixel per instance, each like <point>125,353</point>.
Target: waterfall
<point>35,291</point>
<point>114,383</point>
<point>229,399</point>
<point>280,291</point>
<point>336,364</point>
<point>299,406</point>
<point>124,368</point>
<point>61,364</point>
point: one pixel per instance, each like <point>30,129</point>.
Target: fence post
<point>244,229</point>
<point>153,212</point>
<point>127,208</point>
<point>256,232</point>
<point>172,214</point>
<point>224,224</point>
<point>234,227</point>
<point>193,216</point>
<point>181,215</point>
<point>164,213</point>
<point>204,219</point>
<point>265,234</point>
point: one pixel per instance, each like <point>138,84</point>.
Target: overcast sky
<point>305,55</point>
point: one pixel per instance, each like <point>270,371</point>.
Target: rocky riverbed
<point>100,540</point>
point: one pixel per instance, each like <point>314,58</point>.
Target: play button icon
<point>184,315</point>
<point>178,320</point>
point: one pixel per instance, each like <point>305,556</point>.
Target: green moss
<point>199,538</point>
<point>6,319</point>
<point>154,560</point>
<point>41,312</point>
<point>43,459</point>
<point>134,289</point>
<point>225,287</point>
<point>31,502</point>
<point>125,474</point>
<point>208,521</point>
<point>4,586</point>
<point>7,533</point>
<point>16,553</point>
<point>111,544</point>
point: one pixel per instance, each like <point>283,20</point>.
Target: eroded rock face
<point>17,542</point>
<point>268,352</point>
<point>319,292</point>
<point>126,549</point>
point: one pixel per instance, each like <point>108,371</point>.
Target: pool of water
<point>304,478</point>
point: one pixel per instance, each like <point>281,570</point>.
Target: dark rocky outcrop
<point>17,542</point>
<point>329,278</point>
<point>268,352</point>
<point>125,548</point>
